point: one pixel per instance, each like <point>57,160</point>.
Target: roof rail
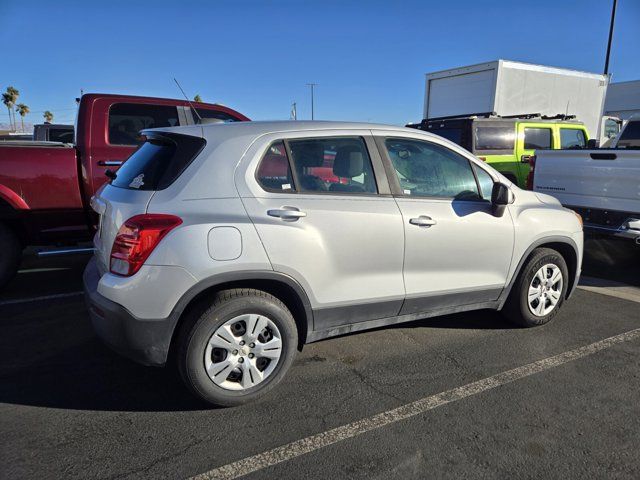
<point>526,116</point>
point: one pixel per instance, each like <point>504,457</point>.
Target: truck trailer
<point>505,88</point>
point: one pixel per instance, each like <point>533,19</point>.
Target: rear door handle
<point>422,221</point>
<point>110,163</point>
<point>288,214</point>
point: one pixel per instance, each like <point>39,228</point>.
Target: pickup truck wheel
<point>539,290</point>
<point>238,349</point>
<point>11,254</point>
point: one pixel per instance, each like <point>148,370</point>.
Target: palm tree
<point>197,98</point>
<point>7,100</point>
<point>48,116</point>
<point>22,110</point>
<point>14,94</point>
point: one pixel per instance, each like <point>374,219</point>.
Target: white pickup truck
<point>602,185</point>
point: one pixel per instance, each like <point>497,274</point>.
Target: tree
<point>22,110</point>
<point>197,98</point>
<point>13,94</point>
<point>7,100</point>
<point>48,116</point>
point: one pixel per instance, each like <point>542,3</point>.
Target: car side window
<point>537,138</point>
<point>485,181</point>
<point>427,169</point>
<point>332,164</point>
<point>127,119</point>
<point>572,138</point>
<point>273,172</point>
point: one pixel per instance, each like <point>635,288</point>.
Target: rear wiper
<point>110,174</point>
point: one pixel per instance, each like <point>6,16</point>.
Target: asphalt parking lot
<point>465,395</point>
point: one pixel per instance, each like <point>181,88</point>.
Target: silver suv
<point>227,247</point>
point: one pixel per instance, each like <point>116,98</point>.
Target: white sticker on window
<point>407,192</point>
<point>286,186</point>
<point>138,181</point>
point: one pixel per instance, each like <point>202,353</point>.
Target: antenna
<point>187,99</point>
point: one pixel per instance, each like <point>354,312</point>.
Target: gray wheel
<point>238,349</point>
<point>539,290</point>
<point>11,254</point>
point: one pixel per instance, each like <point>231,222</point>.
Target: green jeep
<point>507,143</point>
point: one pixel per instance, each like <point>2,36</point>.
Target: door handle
<point>110,163</point>
<point>422,221</point>
<point>288,214</point>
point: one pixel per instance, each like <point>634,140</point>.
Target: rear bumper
<point>144,341</point>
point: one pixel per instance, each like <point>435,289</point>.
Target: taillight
<point>137,238</point>
<point>532,168</point>
<point>484,159</point>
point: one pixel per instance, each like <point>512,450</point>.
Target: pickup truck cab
<point>601,184</point>
<point>508,143</point>
<point>46,187</point>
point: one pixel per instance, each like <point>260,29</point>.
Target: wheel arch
<point>565,246</point>
<point>280,285</point>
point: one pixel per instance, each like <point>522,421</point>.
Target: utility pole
<point>312,85</point>
<point>613,18</point>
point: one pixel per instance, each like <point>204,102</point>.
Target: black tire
<point>195,335</point>
<point>11,254</point>
<point>516,309</point>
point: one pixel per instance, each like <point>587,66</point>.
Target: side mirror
<point>592,143</point>
<point>499,198</point>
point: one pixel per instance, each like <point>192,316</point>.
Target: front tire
<point>539,290</point>
<point>11,254</point>
<point>238,349</point>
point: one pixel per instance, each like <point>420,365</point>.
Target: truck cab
<point>507,144</point>
<point>46,186</point>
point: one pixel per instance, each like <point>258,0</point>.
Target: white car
<point>232,245</point>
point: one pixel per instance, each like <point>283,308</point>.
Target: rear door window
<point>495,138</point>
<point>127,119</point>
<point>332,164</point>
<point>158,162</point>
<point>572,138</point>
<point>537,138</point>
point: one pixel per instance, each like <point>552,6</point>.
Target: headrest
<point>308,154</point>
<point>349,162</point>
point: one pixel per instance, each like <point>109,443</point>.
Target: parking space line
<point>320,440</point>
<point>38,299</point>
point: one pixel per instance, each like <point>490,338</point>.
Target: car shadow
<point>47,364</point>
<point>59,363</point>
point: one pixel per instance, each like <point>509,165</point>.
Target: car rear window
<point>158,162</point>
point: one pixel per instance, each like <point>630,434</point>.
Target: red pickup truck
<point>45,187</point>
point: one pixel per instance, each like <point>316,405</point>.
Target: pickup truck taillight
<point>532,168</point>
<point>136,239</point>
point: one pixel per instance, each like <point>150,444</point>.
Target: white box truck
<point>506,88</point>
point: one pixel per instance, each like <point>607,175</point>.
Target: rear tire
<point>539,290</point>
<point>11,254</point>
<point>238,349</point>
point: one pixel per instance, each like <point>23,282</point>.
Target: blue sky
<point>369,58</point>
